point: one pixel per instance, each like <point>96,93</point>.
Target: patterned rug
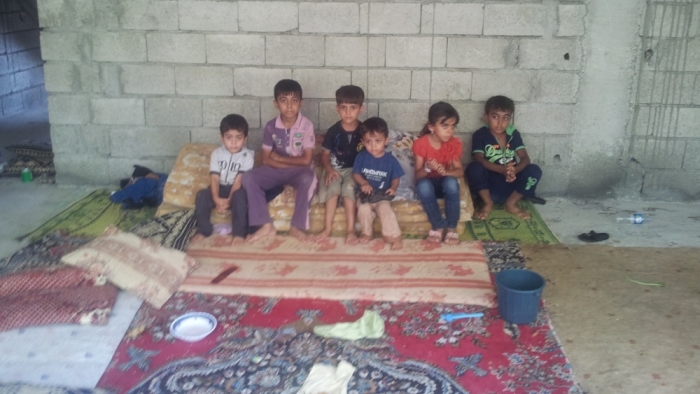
<point>503,226</point>
<point>43,253</point>
<point>266,345</point>
<point>284,267</point>
<point>90,216</point>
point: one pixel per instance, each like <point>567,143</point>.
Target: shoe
<point>537,200</point>
<point>379,196</point>
<point>593,236</point>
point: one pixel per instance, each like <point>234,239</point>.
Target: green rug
<point>503,226</point>
<point>90,216</point>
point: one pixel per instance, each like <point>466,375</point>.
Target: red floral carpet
<point>266,345</point>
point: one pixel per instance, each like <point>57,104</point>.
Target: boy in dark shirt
<point>340,146</point>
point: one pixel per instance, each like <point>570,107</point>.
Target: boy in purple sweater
<point>288,143</point>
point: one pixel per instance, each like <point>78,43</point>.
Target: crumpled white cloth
<point>326,379</point>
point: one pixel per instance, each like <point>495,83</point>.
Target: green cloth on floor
<point>370,325</point>
<point>90,216</point>
<point>504,226</point>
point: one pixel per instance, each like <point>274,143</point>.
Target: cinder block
<point>456,18</point>
<point>519,86</point>
<point>658,153</point>
<point>66,14</point>
<point>470,115</point>
<point>427,18</point>
<point>215,109</point>
<point>235,49</point>
<point>688,120</point>
<point>123,167</point>
<point>35,97</point>
<point>176,48</point>
<point>138,142</point>
<point>109,79</point>
<point>148,79</point>
<point>3,49</point>
<point>408,51</point>
<point>321,83</point>
<point>18,21</point>
<point>439,51</point>
<point>118,111</point>
<point>80,139</point>
<point>560,54</point>
<point>61,77</point>
<point>691,160</point>
<point>119,47</point>
<point>544,119</point>
<point>22,41</point>
<point>208,15</point>
<point>670,20</point>
<point>149,15</point>
<point>206,135</point>
<point>534,144</point>
<point>173,112</point>
<point>4,66</point>
<point>26,59</point>
<point>514,19</point>
<point>451,85</point>
<point>267,16</point>
<point>389,84</point>
<point>328,116</point>
<point>258,82</point>
<point>329,18</point>
<point>295,50</point>
<point>204,80</point>
<point>21,80</point>
<point>6,84</point>
<point>359,78</point>
<point>394,18</point>
<point>555,87</point>
<point>12,104</point>
<point>420,85</point>
<point>84,169</point>
<point>557,151</point>
<point>377,51</point>
<point>346,51</point>
<point>404,116</point>
<point>477,52</point>
<point>656,119</point>
<point>555,180</point>
<point>64,109</point>
<point>66,46</point>
<point>665,87</point>
<point>571,18</point>
<point>696,93</point>
<point>364,18</point>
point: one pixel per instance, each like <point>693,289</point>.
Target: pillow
<point>38,167</point>
<point>139,266</point>
<point>172,230</point>
<point>189,175</point>
<point>41,150</point>
<point>401,146</point>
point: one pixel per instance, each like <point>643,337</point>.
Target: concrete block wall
<point>130,81</point>
<point>664,136</point>
<point>21,75</point>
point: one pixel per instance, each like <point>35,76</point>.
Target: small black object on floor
<point>537,200</point>
<point>592,236</point>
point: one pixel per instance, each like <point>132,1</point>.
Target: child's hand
<point>391,192</point>
<point>331,176</point>
<point>274,156</point>
<point>432,164</point>
<point>222,204</point>
<point>441,170</point>
<point>510,172</point>
<point>366,188</point>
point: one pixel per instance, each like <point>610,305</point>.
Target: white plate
<point>193,326</point>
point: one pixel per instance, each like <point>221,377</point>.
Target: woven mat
<point>90,216</point>
<point>503,226</point>
<point>282,266</point>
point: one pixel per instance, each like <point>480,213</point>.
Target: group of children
<point>357,168</point>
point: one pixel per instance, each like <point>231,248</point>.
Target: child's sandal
<point>451,238</point>
<point>434,237</point>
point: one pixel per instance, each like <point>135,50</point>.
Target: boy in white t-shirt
<point>227,165</point>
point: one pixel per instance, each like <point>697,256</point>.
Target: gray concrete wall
<point>130,81</point>
<point>21,74</point>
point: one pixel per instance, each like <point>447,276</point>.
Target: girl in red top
<point>438,165</point>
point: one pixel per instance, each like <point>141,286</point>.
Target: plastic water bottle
<point>636,218</point>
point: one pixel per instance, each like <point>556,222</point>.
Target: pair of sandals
<point>375,196</point>
<point>451,237</point>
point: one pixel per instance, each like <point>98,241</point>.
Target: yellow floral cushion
<point>139,266</point>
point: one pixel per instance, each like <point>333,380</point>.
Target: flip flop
<point>593,236</point>
<point>537,200</point>
<point>451,238</point>
<point>434,237</point>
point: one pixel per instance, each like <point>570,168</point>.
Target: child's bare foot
<point>434,236</point>
<point>483,213</point>
<point>197,237</point>
<point>513,208</point>
<point>321,236</point>
<point>266,230</point>
<point>397,244</point>
<point>351,239</point>
<point>364,238</point>
<point>298,234</point>
<point>238,241</point>
<point>451,237</point>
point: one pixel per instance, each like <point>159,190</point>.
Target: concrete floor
<point>621,337</point>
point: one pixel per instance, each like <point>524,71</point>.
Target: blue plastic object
<point>450,317</point>
<point>519,295</point>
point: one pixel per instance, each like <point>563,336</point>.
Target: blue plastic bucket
<point>519,295</point>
